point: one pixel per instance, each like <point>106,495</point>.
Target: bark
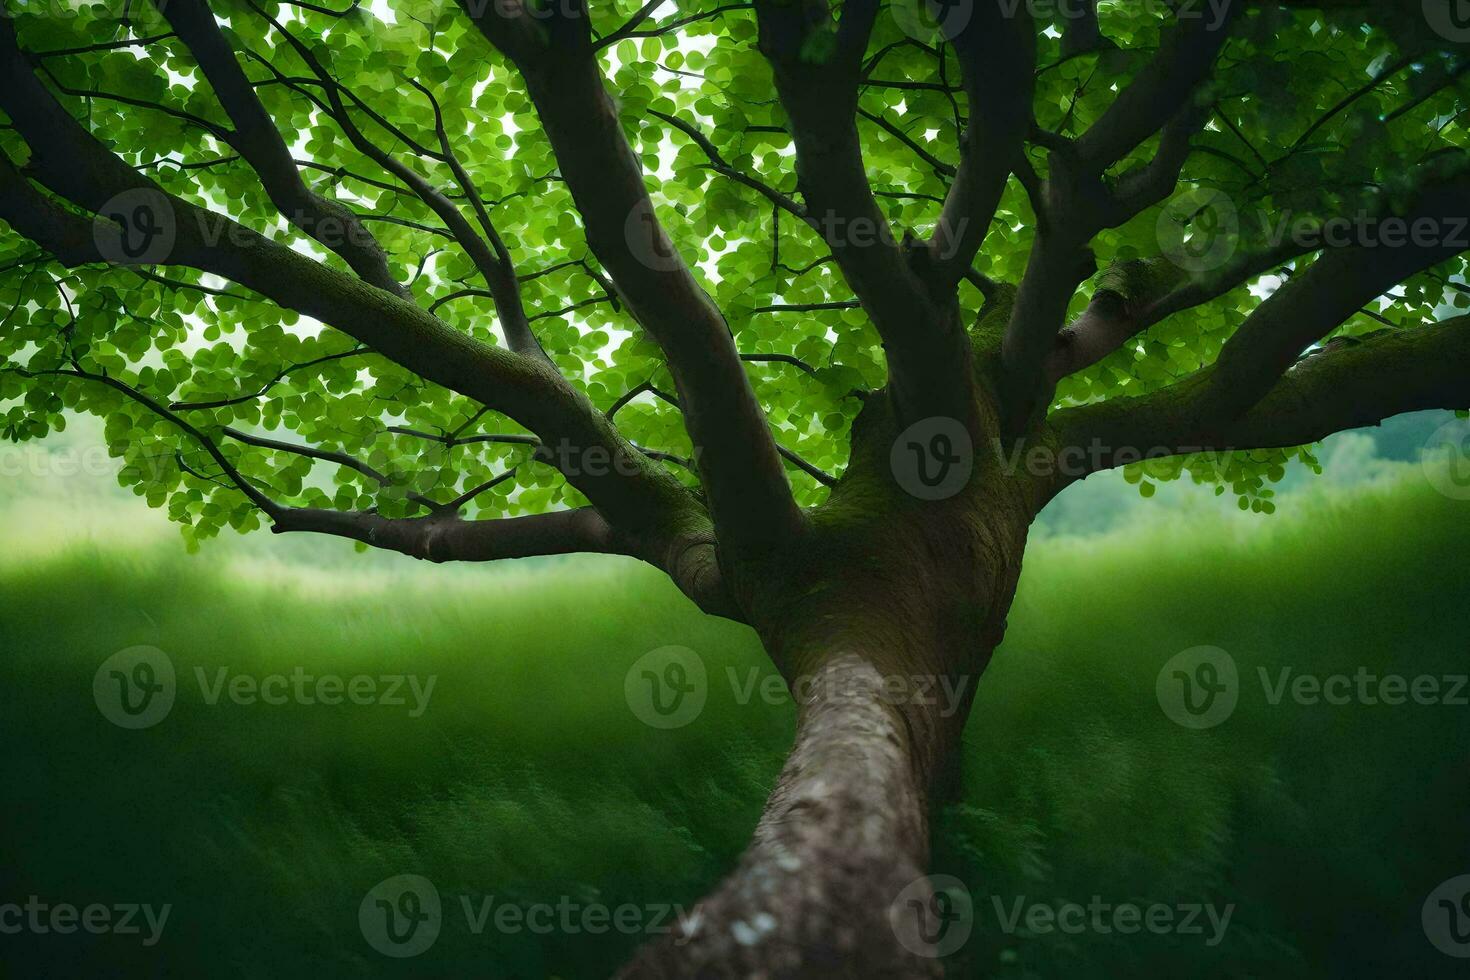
<point>883,658</point>
<point>843,835</point>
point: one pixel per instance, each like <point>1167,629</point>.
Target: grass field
<point>527,778</point>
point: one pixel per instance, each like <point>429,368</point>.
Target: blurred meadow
<point>526,776</point>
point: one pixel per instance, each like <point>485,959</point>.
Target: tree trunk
<point>843,835</point>
<point>833,883</point>
<point>882,627</point>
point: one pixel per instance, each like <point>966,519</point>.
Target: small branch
<point>807,307</point>
<point>780,359</point>
<point>721,166</point>
<point>265,388</point>
<point>326,456</point>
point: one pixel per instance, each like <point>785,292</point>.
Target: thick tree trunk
<point>833,883</point>
<point>844,836</point>
<point>882,617</point>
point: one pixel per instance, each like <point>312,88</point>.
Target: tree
<point>812,307</point>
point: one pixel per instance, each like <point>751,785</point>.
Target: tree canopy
<point>396,145</point>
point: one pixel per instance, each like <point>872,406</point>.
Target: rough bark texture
<point>844,833</point>
<point>882,627</point>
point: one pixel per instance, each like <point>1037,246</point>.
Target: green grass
<point>528,777</point>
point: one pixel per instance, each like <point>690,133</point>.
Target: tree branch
<point>446,538</point>
<point>1075,202</point>
<point>495,266</point>
<point>746,485</point>
<point>279,376</point>
<point>722,167</point>
<point>327,456</point>
<point>1349,383</point>
<point>913,310</point>
<point>997,56</point>
<point>1314,303</point>
<point>259,141</point>
<point>501,274</point>
<point>1082,34</point>
<point>1164,87</point>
